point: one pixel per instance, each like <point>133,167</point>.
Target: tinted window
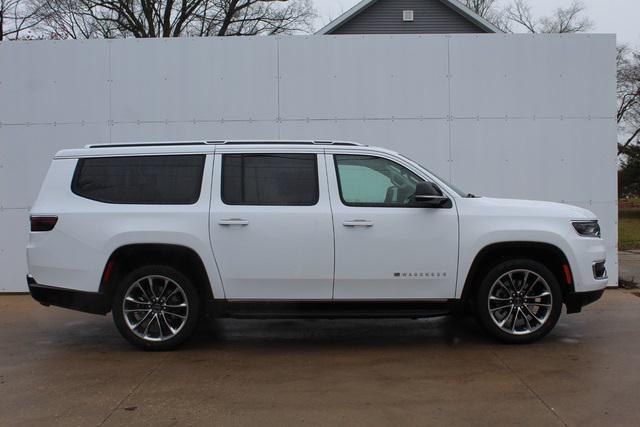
<point>374,181</point>
<point>162,180</point>
<point>270,179</point>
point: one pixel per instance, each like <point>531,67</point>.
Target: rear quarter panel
<point>73,255</point>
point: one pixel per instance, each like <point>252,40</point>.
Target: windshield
<point>452,187</point>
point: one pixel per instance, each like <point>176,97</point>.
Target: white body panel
<point>486,221</point>
<point>75,253</point>
<point>518,116</point>
<point>273,252</point>
<point>401,253</point>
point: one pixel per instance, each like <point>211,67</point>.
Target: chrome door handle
<point>233,221</point>
<point>358,223</point>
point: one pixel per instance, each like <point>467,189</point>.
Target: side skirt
<point>332,309</point>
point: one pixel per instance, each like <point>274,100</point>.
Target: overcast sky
<point>610,16</point>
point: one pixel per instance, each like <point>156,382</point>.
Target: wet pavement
<point>59,367</point>
<point>629,266</point>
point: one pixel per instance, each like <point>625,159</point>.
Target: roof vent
<point>407,15</point>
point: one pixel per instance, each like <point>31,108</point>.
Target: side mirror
<point>430,196</point>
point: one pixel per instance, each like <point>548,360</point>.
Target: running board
<point>331,309</point>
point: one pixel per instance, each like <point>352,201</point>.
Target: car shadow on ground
<point>335,333</point>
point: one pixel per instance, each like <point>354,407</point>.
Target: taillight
<point>43,223</point>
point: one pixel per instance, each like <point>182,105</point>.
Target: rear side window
<point>270,179</point>
<point>149,180</point>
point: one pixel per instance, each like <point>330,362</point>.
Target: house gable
<point>429,17</point>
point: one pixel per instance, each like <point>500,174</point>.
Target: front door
<point>271,225</point>
<point>386,247</point>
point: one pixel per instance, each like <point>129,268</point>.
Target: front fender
<point>484,239</point>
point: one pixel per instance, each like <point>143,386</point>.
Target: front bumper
<point>89,302</point>
<point>576,300</point>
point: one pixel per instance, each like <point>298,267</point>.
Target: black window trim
<point>194,200</point>
<point>370,205</point>
<point>260,153</point>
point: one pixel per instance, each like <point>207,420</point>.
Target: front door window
<point>374,181</point>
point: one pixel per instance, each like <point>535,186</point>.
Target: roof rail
<point>143,144</point>
<point>221,142</point>
<point>357,144</point>
<point>339,143</point>
<point>283,142</point>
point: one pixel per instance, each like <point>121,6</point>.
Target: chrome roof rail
<point>283,142</point>
<point>222,142</point>
<point>144,144</point>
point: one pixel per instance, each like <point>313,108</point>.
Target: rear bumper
<point>89,302</point>
<point>576,300</point>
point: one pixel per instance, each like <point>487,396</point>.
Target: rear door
<point>271,225</point>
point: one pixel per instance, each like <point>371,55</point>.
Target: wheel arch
<point>489,256</point>
<point>128,257</point>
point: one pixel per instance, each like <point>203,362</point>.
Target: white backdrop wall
<point>526,116</point>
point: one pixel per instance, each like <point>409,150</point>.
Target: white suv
<point>162,233</point>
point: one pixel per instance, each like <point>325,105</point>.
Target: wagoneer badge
<point>420,275</point>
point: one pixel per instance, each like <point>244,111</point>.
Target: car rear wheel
<point>156,308</point>
<point>519,301</point>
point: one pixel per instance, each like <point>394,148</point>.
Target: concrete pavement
<point>629,265</point>
<point>59,367</point>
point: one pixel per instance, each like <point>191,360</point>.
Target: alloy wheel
<point>520,302</point>
<point>155,308</point>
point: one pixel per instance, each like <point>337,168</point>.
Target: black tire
<point>514,331</point>
<point>184,319</point>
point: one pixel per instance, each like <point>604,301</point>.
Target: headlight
<point>587,228</point>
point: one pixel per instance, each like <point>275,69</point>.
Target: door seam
<point>211,204</point>
<point>333,225</point>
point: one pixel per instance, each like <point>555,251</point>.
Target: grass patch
<point>629,213</point>
<point>629,203</point>
<point>629,231</point>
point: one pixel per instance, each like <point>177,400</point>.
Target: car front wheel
<point>519,301</point>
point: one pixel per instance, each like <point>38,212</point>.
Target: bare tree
<point>252,17</point>
<point>71,19</point>
<point>17,18</point>
<point>628,90</point>
<point>519,13</point>
<point>174,18</point>
<point>482,7</point>
<point>567,20</point>
<point>489,10</point>
<point>563,20</point>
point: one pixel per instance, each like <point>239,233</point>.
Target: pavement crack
<point>531,390</point>
<point>134,389</point>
